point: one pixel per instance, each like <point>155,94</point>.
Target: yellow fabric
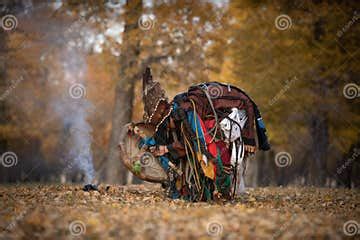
<point>208,169</point>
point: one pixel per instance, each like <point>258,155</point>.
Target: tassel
<point>208,168</point>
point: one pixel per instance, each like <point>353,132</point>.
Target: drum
<point>140,162</point>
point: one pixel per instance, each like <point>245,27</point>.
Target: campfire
<point>90,187</point>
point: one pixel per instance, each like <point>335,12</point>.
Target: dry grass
<point>142,212</point>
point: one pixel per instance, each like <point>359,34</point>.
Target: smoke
<point>73,110</point>
<point>68,43</point>
<point>80,135</point>
<point>71,105</point>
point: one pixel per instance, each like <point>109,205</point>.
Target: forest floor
<point>143,212</point>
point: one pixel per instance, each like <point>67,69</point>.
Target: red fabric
<point>224,152</point>
<point>221,145</point>
<point>210,123</point>
<point>211,146</point>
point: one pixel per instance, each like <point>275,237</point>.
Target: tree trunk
<point>4,113</point>
<point>129,72</point>
<point>116,172</point>
<point>347,168</point>
<point>319,130</point>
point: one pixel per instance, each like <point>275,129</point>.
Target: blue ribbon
<point>191,119</point>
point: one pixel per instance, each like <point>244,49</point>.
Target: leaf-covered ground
<point>142,212</point>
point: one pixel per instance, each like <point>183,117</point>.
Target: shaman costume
<point>197,144</point>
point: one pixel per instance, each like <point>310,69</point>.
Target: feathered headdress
<point>156,106</point>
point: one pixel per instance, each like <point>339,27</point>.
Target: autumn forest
<point>71,76</point>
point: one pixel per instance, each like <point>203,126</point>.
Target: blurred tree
<point>287,56</point>
<point>6,125</point>
<point>129,72</point>
<point>285,68</point>
<point>177,47</point>
<point>3,86</point>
